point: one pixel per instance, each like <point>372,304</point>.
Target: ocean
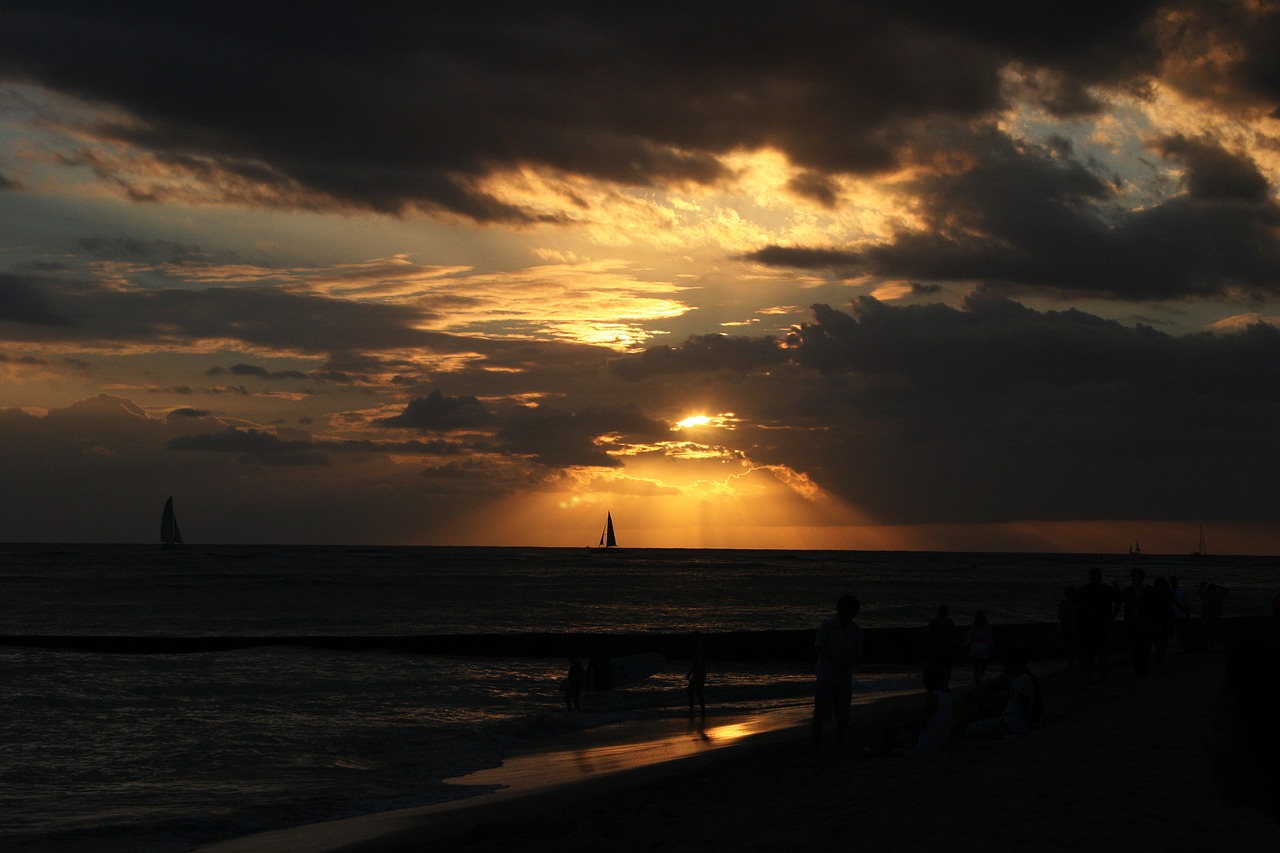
<point>164,751</point>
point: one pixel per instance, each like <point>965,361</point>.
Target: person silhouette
<point>1211,596</point>
<point>1068,619</point>
<point>929,727</point>
<point>1181,613</point>
<point>1140,602</point>
<point>573,685</point>
<point>940,643</point>
<point>697,676</point>
<point>839,644</point>
<point>980,643</point>
<point>1096,605</point>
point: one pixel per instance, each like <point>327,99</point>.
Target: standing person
<point>838,643</point>
<point>940,643</point>
<point>1138,602</point>
<point>1067,624</point>
<point>1181,614</point>
<point>697,676</point>
<point>980,644</point>
<point>1159,618</point>
<point>573,685</point>
<point>1211,596</point>
<point>1096,604</point>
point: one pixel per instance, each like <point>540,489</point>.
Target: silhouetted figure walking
<point>697,676</point>
<point>1096,605</point>
<point>1159,618</point>
<point>838,643</point>
<point>940,643</point>
<point>1067,620</point>
<point>1211,596</point>
<point>980,643</point>
<point>1139,601</point>
<point>573,685</point>
<point>1181,613</point>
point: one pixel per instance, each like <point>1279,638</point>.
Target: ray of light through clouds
<point>864,275</point>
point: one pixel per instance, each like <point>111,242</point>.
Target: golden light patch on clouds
<point>723,420</point>
<point>696,450</point>
<point>753,207</point>
<point>758,507</point>
<point>596,301</point>
<point>891,290</point>
<point>1239,322</point>
<point>392,278</point>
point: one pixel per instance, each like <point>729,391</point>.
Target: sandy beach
<point>1120,766</point>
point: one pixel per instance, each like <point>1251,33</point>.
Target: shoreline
<point>1124,765</point>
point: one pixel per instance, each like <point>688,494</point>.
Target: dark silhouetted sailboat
<point>169,533</point>
<point>607,539</point>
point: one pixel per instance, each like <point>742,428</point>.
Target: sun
<point>693,421</point>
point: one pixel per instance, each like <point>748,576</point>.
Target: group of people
<point>839,644</point>
<point>1153,614</point>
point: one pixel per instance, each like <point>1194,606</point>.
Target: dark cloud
<point>1028,216</point>
<point>27,301</point>
<point>432,99</point>
<point>815,187</point>
<point>996,412</point>
<point>62,311</point>
<point>560,439</point>
<point>700,353</point>
<point>1215,175</point>
<point>256,371</point>
<point>1240,37</point>
<point>7,185</point>
<point>438,413</point>
<point>233,440</point>
<point>127,248</point>
<point>120,463</point>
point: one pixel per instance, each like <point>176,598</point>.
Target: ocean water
<point>162,752</point>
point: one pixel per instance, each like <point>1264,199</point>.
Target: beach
<point>1121,766</point>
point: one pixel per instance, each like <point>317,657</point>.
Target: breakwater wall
<point>899,645</point>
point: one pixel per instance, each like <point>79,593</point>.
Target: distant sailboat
<point>1199,551</point>
<point>607,539</point>
<point>169,533</point>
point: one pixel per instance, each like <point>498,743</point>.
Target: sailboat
<point>1199,551</point>
<point>607,539</point>
<point>169,533</point>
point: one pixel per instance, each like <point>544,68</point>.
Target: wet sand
<point>1120,766</point>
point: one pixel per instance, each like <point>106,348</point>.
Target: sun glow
<point>693,421</point>
<point>724,420</point>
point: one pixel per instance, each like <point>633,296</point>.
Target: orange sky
<point>848,277</point>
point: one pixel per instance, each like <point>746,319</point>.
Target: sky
<point>878,275</point>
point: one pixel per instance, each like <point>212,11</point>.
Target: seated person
<point>1023,704</point>
<point>930,727</point>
